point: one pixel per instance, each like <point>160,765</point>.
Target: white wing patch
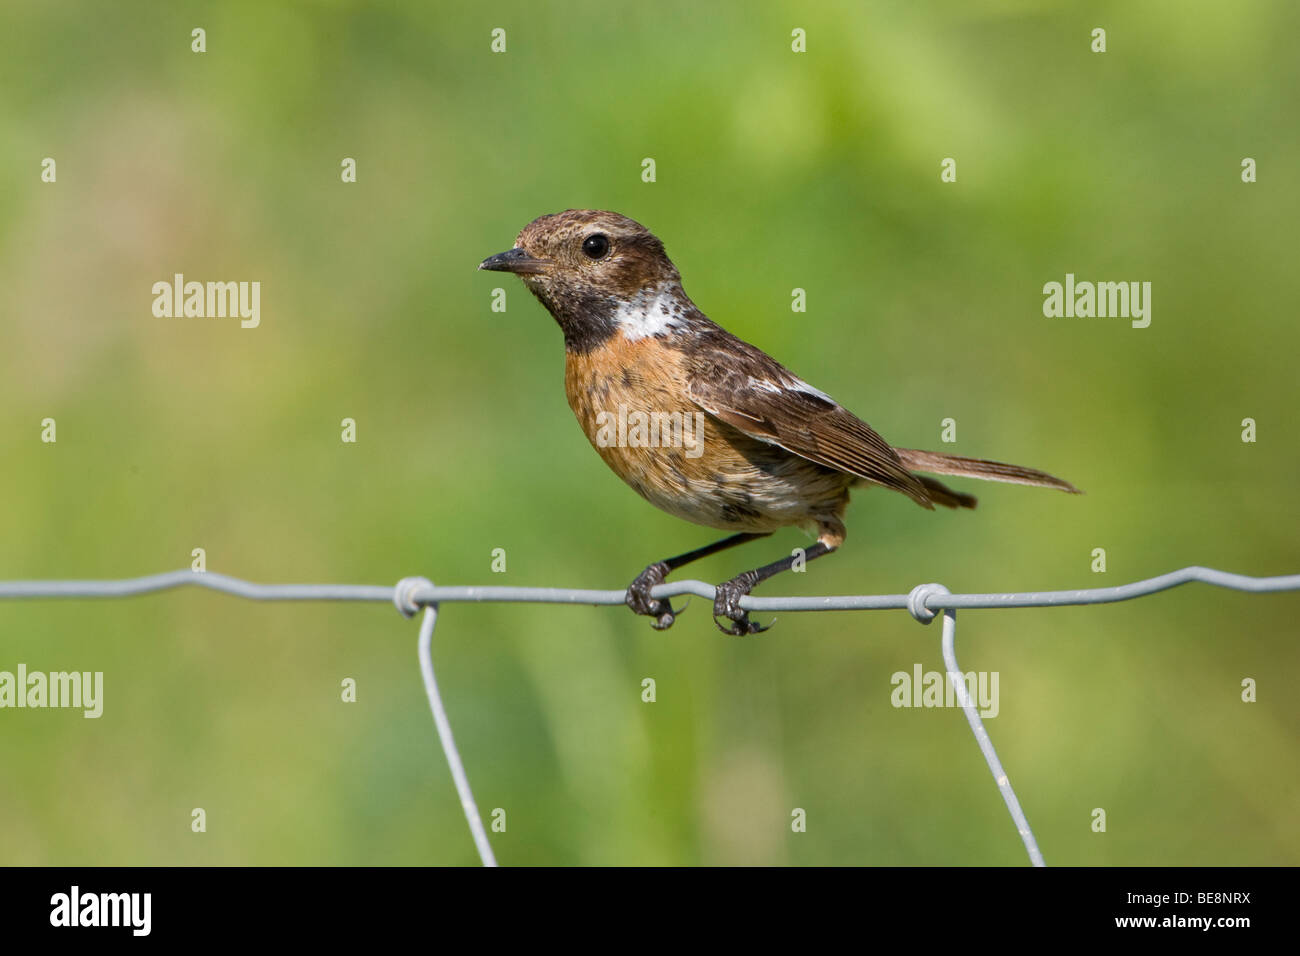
<point>649,313</point>
<point>792,384</point>
<point>799,385</point>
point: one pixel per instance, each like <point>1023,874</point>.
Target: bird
<point>702,424</point>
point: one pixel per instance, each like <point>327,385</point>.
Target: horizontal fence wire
<point>410,595</point>
<point>431,594</point>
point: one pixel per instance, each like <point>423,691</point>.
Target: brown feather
<point>938,463</point>
<point>727,378</point>
<point>738,482</point>
<point>941,494</point>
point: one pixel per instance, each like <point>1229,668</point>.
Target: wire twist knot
<point>919,595</point>
<point>404,595</point>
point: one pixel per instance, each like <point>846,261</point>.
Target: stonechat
<point>700,423</point>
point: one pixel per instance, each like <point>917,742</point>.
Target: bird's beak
<point>516,261</point>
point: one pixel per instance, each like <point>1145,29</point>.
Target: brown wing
<point>750,391</point>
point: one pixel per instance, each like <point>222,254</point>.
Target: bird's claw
<point>639,600</point>
<point>726,604</point>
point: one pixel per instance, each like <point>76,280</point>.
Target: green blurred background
<point>775,170</point>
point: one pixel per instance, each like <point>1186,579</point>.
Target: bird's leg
<point>638,592</point>
<point>729,593</point>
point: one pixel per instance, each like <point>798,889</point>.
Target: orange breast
<point>630,399</point>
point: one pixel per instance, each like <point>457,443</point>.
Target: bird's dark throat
<point>586,319</point>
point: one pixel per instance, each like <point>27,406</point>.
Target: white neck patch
<point>651,312</point>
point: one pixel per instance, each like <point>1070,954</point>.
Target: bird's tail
<point>937,463</point>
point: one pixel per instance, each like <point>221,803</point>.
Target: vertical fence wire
<point>448,741</point>
<point>982,738</point>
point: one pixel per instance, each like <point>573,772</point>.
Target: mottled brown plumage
<point>771,450</point>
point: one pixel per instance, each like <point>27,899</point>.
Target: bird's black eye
<point>596,246</point>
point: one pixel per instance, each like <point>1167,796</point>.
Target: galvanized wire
<point>411,594</point>
<point>467,804</point>
<point>985,743</point>
<point>430,594</point>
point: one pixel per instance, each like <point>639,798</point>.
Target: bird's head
<point>596,272</point>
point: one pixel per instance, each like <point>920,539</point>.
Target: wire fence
<point>924,602</point>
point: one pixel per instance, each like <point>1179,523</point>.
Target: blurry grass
<point>774,171</point>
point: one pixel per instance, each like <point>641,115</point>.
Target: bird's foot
<point>726,604</point>
<point>639,599</point>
